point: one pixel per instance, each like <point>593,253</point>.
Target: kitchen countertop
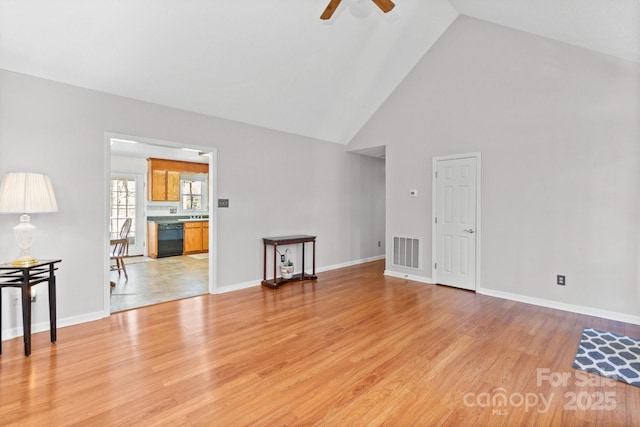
<point>175,219</point>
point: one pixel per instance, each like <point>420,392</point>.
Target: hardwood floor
<point>354,348</point>
<point>159,280</point>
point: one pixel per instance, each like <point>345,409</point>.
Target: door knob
<point>470,231</point>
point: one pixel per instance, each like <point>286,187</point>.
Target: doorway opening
<point>150,278</point>
<point>372,181</point>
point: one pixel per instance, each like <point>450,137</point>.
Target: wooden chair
<point>121,249</point>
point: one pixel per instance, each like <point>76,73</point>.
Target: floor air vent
<point>406,252</point>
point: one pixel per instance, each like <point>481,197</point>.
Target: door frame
<point>212,190</point>
<point>434,211</point>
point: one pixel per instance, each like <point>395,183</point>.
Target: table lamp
<point>25,193</point>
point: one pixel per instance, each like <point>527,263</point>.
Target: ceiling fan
<point>384,5</point>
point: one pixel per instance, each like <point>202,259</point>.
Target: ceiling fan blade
<point>384,5</point>
<point>331,7</point>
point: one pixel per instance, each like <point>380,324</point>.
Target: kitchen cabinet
<point>164,178</point>
<point>165,185</point>
<point>196,237</point>
<point>152,239</point>
<point>205,236</point>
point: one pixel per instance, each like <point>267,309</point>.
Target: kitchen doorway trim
<point>212,190</point>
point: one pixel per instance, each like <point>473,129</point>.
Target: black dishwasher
<point>170,237</point>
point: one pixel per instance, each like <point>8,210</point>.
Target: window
<point>193,193</point>
<point>123,206</point>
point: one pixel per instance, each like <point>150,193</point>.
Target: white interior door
<point>456,222</point>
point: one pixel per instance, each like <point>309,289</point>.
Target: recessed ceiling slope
<point>277,67</point>
<point>607,26</point>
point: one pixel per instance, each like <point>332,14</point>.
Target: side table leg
<point>275,277</point>
<point>264,262</point>
<point>0,320</point>
<point>303,273</point>
<point>26,318</point>
<point>52,307</point>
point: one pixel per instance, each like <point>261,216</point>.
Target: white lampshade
<point>22,192</point>
<point>26,193</point>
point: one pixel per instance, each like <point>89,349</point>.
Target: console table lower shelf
<point>295,278</point>
<point>275,283</point>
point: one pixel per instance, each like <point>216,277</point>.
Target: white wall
<point>277,184</point>
<point>121,164</point>
<point>559,132</point>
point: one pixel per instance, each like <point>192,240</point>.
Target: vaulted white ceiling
<point>274,63</point>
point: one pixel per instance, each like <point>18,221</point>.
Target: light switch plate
<point>223,203</point>
<point>413,193</point>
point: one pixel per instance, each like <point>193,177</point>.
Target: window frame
<point>194,177</point>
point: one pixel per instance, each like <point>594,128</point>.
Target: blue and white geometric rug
<point>610,355</point>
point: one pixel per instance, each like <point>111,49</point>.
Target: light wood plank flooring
<point>354,348</point>
<point>159,280</point>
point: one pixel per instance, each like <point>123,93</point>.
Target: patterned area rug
<point>610,355</point>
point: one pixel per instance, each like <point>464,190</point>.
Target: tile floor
<point>159,280</point>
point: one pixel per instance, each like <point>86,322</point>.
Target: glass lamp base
<point>24,233</point>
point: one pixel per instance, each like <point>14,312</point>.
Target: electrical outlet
<point>281,258</point>
<point>33,298</point>
<point>378,243</point>
<point>560,280</point>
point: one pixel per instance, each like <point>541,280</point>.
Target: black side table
<point>12,276</point>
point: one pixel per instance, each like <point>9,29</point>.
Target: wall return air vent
<point>406,252</point>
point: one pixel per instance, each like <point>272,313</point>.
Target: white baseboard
<point>252,283</point>
<point>11,333</point>
<point>237,286</point>
<point>349,263</point>
<point>589,311</point>
<point>408,277</point>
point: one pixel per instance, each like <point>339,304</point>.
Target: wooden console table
<point>287,240</point>
<point>12,276</point>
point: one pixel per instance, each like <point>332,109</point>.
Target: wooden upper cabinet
<point>164,178</point>
<point>157,185</point>
<point>173,186</point>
